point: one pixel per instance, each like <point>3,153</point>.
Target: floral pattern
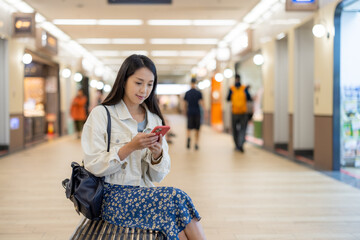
<point>165,209</point>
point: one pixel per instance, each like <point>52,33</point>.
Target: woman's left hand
<point>156,148</point>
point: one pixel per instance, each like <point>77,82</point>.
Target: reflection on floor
<point>240,196</point>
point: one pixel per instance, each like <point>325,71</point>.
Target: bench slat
<point>101,230</point>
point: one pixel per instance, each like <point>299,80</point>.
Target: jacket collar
<point>124,114</point>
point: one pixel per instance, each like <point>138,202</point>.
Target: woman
<point>136,157</point>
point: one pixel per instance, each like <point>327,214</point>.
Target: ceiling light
<point>258,59</point>
<point>169,22</point>
<point>204,84</point>
<point>291,21</point>
<point>262,7</point>
<point>183,22</point>
<point>192,53</point>
<point>219,77</point>
<point>78,77</point>
<point>211,65</point>
<point>164,53</point>
<point>106,53</point>
<point>99,71</point>
<point>127,41</point>
<point>93,83</point>
<point>120,22</point>
<point>319,30</point>
<point>39,18</point>
<point>240,43</point>
<point>111,40</point>
<point>107,88</point>
<point>66,73</point>
<point>93,40</point>
<point>22,6</point>
<point>223,54</point>
<point>228,73</point>
<point>128,53</point>
<point>99,85</point>
<point>202,72</point>
<point>52,29</point>
<point>280,36</point>
<point>75,21</point>
<point>27,58</point>
<point>215,22</point>
<point>166,41</point>
<point>201,41</point>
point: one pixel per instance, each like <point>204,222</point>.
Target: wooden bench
<point>96,230</point>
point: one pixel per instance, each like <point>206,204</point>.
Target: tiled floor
<point>255,195</point>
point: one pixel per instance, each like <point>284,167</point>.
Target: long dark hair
<point>128,68</point>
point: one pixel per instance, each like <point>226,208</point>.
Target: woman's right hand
<point>144,140</point>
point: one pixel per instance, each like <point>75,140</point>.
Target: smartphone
<point>160,130</point>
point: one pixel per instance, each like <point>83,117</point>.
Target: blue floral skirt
<point>165,209</point>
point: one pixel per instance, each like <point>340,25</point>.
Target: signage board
<point>46,41</point>
<point>302,5</point>
<point>14,123</point>
<point>139,1</point>
<point>24,24</point>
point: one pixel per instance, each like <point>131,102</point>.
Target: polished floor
<point>255,195</point>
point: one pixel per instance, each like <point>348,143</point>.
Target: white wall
<point>281,117</point>
<point>304,89</point>
<point>4,93</point>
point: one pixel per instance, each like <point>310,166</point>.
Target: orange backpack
<point>238,100</point>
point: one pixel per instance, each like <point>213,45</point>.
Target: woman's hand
<point>144,140</point>
<point>156,149</point>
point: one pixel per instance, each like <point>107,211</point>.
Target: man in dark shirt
<point>193,100</point>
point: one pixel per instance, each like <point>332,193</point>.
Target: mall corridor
<point>255,195</point>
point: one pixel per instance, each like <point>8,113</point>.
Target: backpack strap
<point>108,127</point>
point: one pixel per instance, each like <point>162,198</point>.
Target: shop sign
<point>14,123</point>
<point>140,1</point>
<point>302,5</point>
<point>46,41</point>
<point>23,24</point>
<point>34,69</point>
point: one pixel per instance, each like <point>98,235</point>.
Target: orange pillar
<point>216,105</point>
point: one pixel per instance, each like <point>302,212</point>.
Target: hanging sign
<point>23,24</point>
<point>46,41</point>
<point>302,5</point>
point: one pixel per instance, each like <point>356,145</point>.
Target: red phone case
<point>161,130</point>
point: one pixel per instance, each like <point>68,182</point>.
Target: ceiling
<point>171,67</point>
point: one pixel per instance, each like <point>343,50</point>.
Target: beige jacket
<point>136,169</point>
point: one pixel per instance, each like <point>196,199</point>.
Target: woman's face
<point>139,86</point>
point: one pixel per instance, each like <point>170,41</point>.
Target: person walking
<point>78,111</point>
<point>193,101</point>
<point>136,158</point>
<point>239,95</point>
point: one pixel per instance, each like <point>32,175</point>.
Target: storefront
<point>346,143</point>
<point>41,99</point>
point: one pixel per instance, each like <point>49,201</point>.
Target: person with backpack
<point>239,95</point>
